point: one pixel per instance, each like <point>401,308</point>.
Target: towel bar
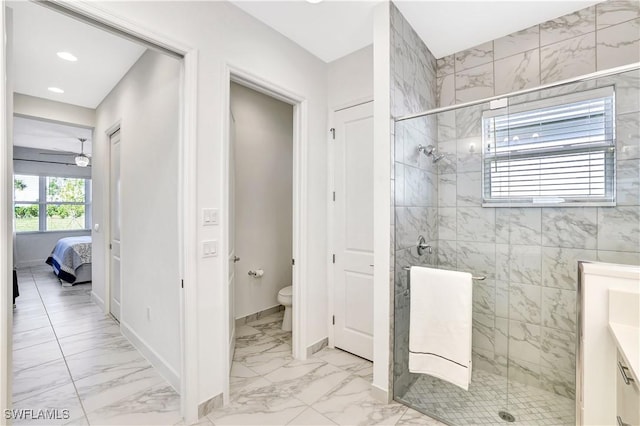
<point>473,277</point>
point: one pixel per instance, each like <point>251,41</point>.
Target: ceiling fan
<point>81,159</point>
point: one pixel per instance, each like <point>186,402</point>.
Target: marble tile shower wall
<point>600,37</point>
<point>414,182</point>
<point>525,312</point>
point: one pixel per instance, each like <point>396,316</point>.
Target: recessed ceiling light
<point>56,90</point>
<point>67,56</point>
<point>314,1</point>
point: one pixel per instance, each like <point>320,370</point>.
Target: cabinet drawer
<point>628,395</point>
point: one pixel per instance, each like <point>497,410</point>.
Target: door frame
<point>187,214</point>
<point>6,214</point>
<point>331,211</point>
<point>107,225</point>
<point>232,73</point>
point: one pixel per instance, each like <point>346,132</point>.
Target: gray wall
<point>529,254</point>
<point>33,248</point>
<point>146,103</point>
<point>263,198</point>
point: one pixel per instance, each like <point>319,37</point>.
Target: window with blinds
<point>558,151</point>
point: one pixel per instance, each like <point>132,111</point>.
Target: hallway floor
<point>269,387</point>
<point>68,355</point>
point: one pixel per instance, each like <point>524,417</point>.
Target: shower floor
<point>486,397</point>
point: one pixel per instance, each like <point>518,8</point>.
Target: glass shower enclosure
<point>517,190</point>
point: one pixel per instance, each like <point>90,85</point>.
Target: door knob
<point>236,259</point>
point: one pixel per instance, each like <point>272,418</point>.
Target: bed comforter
<point>68,255</point>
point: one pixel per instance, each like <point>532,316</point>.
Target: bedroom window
<point>50,203</point>
<point>556,151</point>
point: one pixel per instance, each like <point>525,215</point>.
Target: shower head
<point>430,151</point>
<point>437,157</point>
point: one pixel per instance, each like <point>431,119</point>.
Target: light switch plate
<point>209,217</point>
<point>210,248</point>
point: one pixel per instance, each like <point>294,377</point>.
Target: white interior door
<point>353,230</point>
<point>114,237</point>
<point>232,238</point>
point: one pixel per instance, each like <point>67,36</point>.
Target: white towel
<point>440,324</point>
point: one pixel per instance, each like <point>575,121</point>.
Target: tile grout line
<point>84,412</point>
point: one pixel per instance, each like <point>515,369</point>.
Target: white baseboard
<point>30,263</point>
<point>169,374</point>
<point>98,301</point>
<point>380,394</point>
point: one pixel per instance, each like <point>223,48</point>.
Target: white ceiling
<point>329,30</point>
<point>39,134</point>
<point>40,33</point>
<point>334,28</point>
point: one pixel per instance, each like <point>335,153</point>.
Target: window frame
<point>43,203</point>
<point>607,147</point>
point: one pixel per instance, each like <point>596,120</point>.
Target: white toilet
<point>285,299</point>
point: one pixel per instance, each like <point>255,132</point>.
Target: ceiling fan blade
<point>67,153</point>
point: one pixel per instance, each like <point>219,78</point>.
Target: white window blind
<point>550,152</point>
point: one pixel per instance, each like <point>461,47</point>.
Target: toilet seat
<point>285,295</point>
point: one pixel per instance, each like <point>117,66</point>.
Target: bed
<point>71,260</point>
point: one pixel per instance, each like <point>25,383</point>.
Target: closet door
<point>353,230</point>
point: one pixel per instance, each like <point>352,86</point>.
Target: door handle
<point>623,372</point>
<point>236,259</point>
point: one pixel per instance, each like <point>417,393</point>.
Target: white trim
<point>187,192</point>
<point>97,300</point>
<point>6,215</point>
<point>106,213</point>
<point>113,128</point>
<point>382,350</point>
<point>159,363</point>
<point>188,236</point>
<point>350,104</point>
<point>300,141</point>
<point>331,185</point>
<point>380,394</point>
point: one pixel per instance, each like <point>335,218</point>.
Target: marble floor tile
<point>157,405</point>
<point>351,404</point>
<point>33,337</point>
<point>104,338</point>
<point>346,361</point>
<point>413,417</point>
<point>311,417</point>
<point>36,380</point>
<point>108,388</point>
<point>63,398</point>
<point>70,328</point>
<point>201,422</point>
<point>240,377</point>
<point>275,356</point>
<point>308,380</point>
<point>97,361</point>
<point>260,403</point>
<point>26,324</point>
<point>36,355</point>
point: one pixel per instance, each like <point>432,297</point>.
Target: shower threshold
<point>486,399</point>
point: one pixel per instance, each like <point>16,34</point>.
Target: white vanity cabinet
<point>627,394</point>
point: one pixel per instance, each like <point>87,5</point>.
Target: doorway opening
<point>75,339</point>
<point>260,225</point>
<point>295,107</point>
